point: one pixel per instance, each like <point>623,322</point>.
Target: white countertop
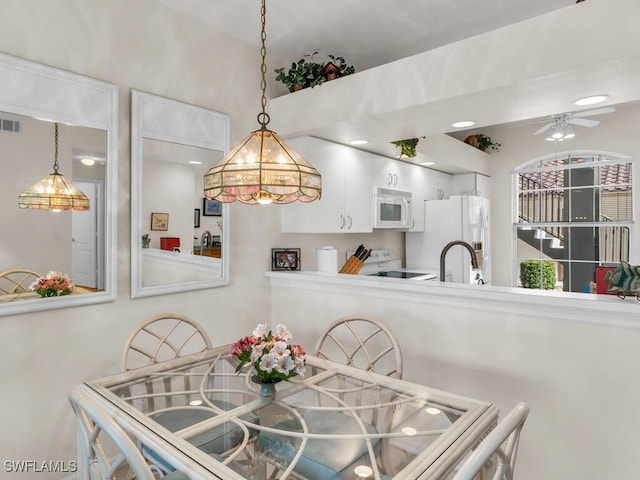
<point>580,307</point>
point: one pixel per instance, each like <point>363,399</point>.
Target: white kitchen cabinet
<point>472,184</point>
<point>346,204</point>
<point>391,173</point>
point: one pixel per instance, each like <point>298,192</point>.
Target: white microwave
<point>392,208</point>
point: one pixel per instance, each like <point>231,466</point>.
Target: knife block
<point>352,266</point>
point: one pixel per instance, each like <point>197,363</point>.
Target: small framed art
<point>285,259</point>
<point>196,218</point>
<point>211,208</point>
<point>160,221</point>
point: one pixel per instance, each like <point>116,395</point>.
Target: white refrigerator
<point>463,217</point>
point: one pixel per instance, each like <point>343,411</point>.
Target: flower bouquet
<point>270,354</point>
<point>53,284</point>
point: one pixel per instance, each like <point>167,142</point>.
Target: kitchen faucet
<point>205,240</point>
<point>474,258</point>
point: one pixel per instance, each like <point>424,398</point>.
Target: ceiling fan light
<point>568,132</point>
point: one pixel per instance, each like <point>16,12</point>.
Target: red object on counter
<point>602,287</point>
<point>169,243</point>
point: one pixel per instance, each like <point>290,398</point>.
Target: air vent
<point>9,125</point>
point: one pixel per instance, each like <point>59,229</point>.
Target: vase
<point>267,389</point>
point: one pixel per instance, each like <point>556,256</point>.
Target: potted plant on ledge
<point>308,73</point>
<point>407,147</point>
<point>482,142</point>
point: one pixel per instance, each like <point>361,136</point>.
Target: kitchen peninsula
<point>579,307</point>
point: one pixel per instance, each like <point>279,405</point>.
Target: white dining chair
<point>105,450</point>
<point>362,342</point>
<point>497,452</point>
<point>163,337</point>
<point>17,281</point>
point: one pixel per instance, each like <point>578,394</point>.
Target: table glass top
<point>335,421</point>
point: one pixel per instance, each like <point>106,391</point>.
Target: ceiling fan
<point>559,126</point>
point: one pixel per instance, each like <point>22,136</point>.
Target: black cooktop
<point>396,274</point>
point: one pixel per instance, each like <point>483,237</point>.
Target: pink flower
<point>270,355</point>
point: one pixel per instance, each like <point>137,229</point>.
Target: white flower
<point>280,349</point>
<point>268,362</point>
<point>260,331</point>
<point>284,364</point>
<point>282,332</point>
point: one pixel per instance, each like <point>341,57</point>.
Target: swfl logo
<point>53,466</point>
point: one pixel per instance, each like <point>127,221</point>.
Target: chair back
<point>362,342</point>
<point>497,452</point>
<point>163,337</point>
<point>104,448</point>
<point>17,282</point>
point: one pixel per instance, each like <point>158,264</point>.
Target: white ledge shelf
<point>606,310</point>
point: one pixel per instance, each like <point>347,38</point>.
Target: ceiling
<point>367,33</point>
<point>371,33</point>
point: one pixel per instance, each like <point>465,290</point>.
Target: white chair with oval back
<point>105,450</point>
<point>362,342</point>
<point>15,283</point>
<point>497,452</point>
<point>163,337</point>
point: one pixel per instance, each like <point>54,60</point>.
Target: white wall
<point>576,377</point>
<point>144,46</point>
<point>580,380</point>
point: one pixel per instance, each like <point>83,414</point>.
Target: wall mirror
<point>179,242</point>
<point>33,97</point>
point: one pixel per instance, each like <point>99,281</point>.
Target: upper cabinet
<point>347,190</point>
<point>391,173</point>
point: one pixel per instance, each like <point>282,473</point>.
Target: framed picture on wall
<point>196,218</point>
<point>160,221</point>
<point>211,208</point>
<point>285,259</point>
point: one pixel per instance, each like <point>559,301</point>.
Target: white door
<point>84,259</point>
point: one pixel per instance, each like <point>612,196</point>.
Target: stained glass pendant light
<point>263,168</point>
<point>53,192</point>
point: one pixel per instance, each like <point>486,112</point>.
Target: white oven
<point>392,208</point>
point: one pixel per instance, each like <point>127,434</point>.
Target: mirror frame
<point>160,118</point>
<point>43,92</point>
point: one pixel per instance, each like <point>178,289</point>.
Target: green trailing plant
<point>483,142</point>
<point>538,274</point>
<point>407,146</point>
<point>306,72</point>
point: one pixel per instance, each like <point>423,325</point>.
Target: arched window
<point>573,219</point>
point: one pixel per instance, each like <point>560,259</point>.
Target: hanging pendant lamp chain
<point>55,158</point>
<point>263,118</point>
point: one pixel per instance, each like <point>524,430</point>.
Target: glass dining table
<point>197,416</point>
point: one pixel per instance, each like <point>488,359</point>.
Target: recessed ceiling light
<point>591,100</point>
<point>433,410</point>
<point>425,164</point>
<point>87,161</point>
<point>409,431</point>
<point>463,124</point>
<point>358,142</point>
<point>195,403</point>
<point>195,162</point>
